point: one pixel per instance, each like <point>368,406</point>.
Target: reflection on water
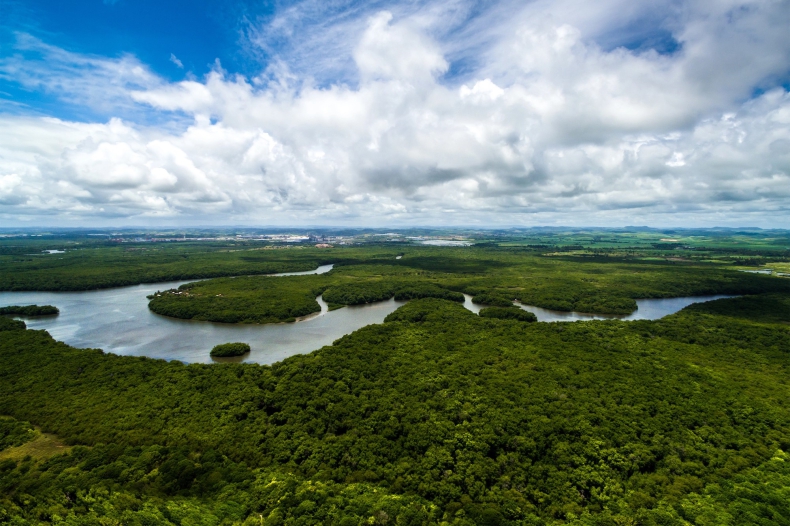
<point>474,307</point>
<point>648,309</point>
<point>323,269</point>
<point>118,321</point>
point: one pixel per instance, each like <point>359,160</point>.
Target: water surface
<point>323,269</point>
<point>118,321</point>
<point>647,309</point>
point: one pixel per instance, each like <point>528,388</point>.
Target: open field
<point>42,447</point>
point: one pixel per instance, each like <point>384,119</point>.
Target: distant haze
<point>455,112</point>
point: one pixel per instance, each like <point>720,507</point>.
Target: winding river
<point>647,309</point>
<point>118,321</point>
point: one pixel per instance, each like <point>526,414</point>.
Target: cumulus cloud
<point>399,52</point>
<point>556,125</point>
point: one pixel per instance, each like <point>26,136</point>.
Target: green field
<point>436,416</point>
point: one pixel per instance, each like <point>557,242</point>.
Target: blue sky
<point>196,32</point>
<point>180,39</point>
<point>174,39</point>
<point>413,112</point>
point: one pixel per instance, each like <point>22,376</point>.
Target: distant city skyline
<point>394,114</point>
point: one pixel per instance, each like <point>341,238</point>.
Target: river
<point>647,309</point>
<point>118,321</point>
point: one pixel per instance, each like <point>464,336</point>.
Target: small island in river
<point>227,350</point>
<point>30,310</point>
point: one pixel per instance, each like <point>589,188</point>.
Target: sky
<point>494,113</point>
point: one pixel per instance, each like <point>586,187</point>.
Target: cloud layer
<point>570,114</point>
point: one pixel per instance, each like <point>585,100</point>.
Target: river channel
<point>647,309</point>
<point>118,321</point>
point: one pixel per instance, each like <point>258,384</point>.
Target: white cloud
<point>397,52</point>
<point>174,60</point>
<point>552,128</point>
<point>90,81</point>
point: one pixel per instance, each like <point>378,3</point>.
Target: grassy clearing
<point>20,440</point>
<point>44,446</point>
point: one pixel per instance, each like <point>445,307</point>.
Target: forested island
<point>494,277</point>
<point>437,415</point>
<point>226,350</point>
<point>29,310</point>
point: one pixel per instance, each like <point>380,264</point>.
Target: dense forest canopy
<point>436,416</point>
<point>494,277</point>
<point>468,419</point>
<point>230,349</point>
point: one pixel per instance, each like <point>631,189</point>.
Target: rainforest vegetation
<point>88,263</point>
<point>436,416</point>
<point>494,277</point>
<point>99,266</point>
<point>8,324</point>
<point>230,349</point>
<point>508,313</point>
